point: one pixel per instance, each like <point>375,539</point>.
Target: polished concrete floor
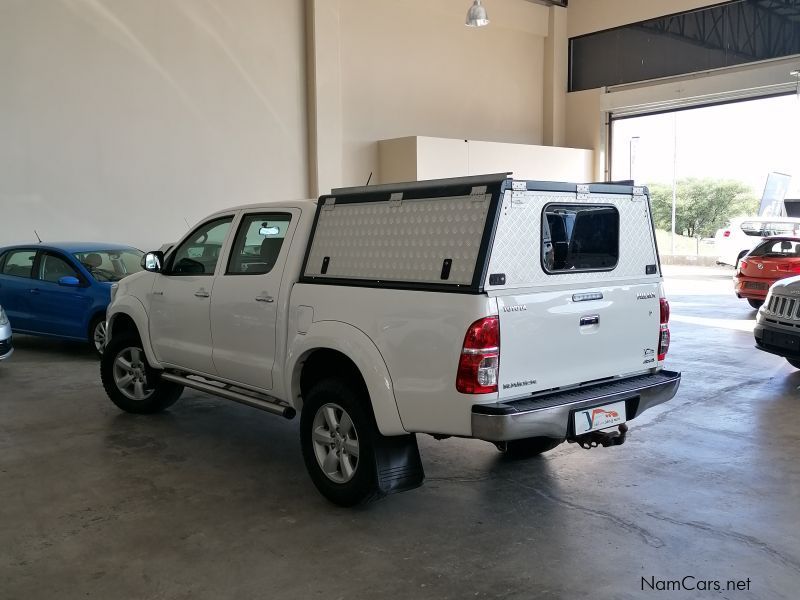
<point>211,500</point>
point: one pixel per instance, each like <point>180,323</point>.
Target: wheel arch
<point>128,315</point>
<point>332,348</point>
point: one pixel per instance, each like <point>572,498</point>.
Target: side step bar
<point>262,403</point>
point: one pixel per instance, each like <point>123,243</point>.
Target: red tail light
<point>726,233</point>
<point>479,364</point>
<point>663,336</point>
<point>742,265</point>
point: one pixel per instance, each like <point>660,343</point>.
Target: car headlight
<point>3,317</point>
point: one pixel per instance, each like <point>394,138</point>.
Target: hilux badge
<point>645,295</point>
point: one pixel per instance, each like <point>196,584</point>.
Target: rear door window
<point>19,263</point>
<point>580,237</point>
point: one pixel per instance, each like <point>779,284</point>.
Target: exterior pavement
<point>211,500</point>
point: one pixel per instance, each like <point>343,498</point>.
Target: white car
<point>6,347</point>
<point>521,313</point>
<point>745,233</point>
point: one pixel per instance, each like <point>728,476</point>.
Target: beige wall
<point>411,67</point>
<point>119,119</point>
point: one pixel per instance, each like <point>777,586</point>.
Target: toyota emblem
<point>760,266</point>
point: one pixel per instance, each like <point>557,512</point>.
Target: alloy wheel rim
<point>130,374</point>
<point>100,336</point>
<point>335,443</point>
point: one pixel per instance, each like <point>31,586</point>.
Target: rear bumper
<point>739,284</point>
<point>549,415</point>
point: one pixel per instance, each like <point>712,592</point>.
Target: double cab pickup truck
<point>521,313</point>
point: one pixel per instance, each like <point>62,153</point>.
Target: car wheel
<point>338,436</point>
<point>97,334</point>
<point>528,447</point>
<point>755,303</point>
<point>794,362</point>
<point>130,382</point>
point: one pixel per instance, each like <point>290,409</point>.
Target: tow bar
<point>593,439</point>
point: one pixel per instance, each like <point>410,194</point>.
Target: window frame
<point>543,217</point>
<point>65,258</point>
<point>173,252</point>
<point>34,264</point>
<point>239,226</point>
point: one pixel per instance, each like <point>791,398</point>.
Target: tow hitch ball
<point>593,439</point>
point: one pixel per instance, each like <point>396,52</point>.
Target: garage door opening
<point>716,159</point>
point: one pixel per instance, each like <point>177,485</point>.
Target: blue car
<point>62,290</point>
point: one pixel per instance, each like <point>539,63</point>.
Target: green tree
<point>702,205</point>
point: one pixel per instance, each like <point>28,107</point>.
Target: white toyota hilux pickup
<point>522,313</point>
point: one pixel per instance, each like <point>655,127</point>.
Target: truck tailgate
<point>551,339</point>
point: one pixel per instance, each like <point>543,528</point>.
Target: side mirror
<point>69,281</point>
<point>153,261</point>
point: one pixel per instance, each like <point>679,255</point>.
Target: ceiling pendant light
<point>476,15</point>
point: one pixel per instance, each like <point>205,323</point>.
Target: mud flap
<point>398,464</point>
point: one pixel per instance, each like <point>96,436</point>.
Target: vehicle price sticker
<point>599,417</point>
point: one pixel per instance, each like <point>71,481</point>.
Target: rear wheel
<point>794,362</point>
<point>528,447</point>
<point>338,436</point>
<point>97,334</point>
<point>755,303</point>
<point>130,382</point>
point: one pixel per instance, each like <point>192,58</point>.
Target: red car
<point>773,259</point>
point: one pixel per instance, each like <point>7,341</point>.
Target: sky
<point>744,141</point>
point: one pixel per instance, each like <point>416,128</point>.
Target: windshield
<point>778,248</point>
<point>111,265</point>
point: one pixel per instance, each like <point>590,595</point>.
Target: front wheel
<point>528,447</point>
<point>794,362</point>
<point>130,382</point>
<point>755,303</point>
<point>338,436</point>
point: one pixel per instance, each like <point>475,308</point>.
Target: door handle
<point>202,294</point>
<point>593,320</point>
<point>158,293</point>
<point>33,291</point>
<point>265,299</point>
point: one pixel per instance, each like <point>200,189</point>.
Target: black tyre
<point>529,447</point>
<point>97,334</point>
<point>338,437</point>
<point>130,382</point>
<point>795,363</point>
<point>755,303</point>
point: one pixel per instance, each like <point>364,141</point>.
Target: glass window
<point>778,249</point>
<point>258,244</point>
<point>199,253</point>
<point>111,265</point>
<point>52,268</point>
<point>753,228</point>
<point>19,263</point>
<point>779,228</point>
<point>580,237</point>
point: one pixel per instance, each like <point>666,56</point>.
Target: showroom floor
<point>211,500</point>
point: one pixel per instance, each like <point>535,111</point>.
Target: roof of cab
<point>268,206</point>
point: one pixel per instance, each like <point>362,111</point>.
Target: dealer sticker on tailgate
<point>599,417</point>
